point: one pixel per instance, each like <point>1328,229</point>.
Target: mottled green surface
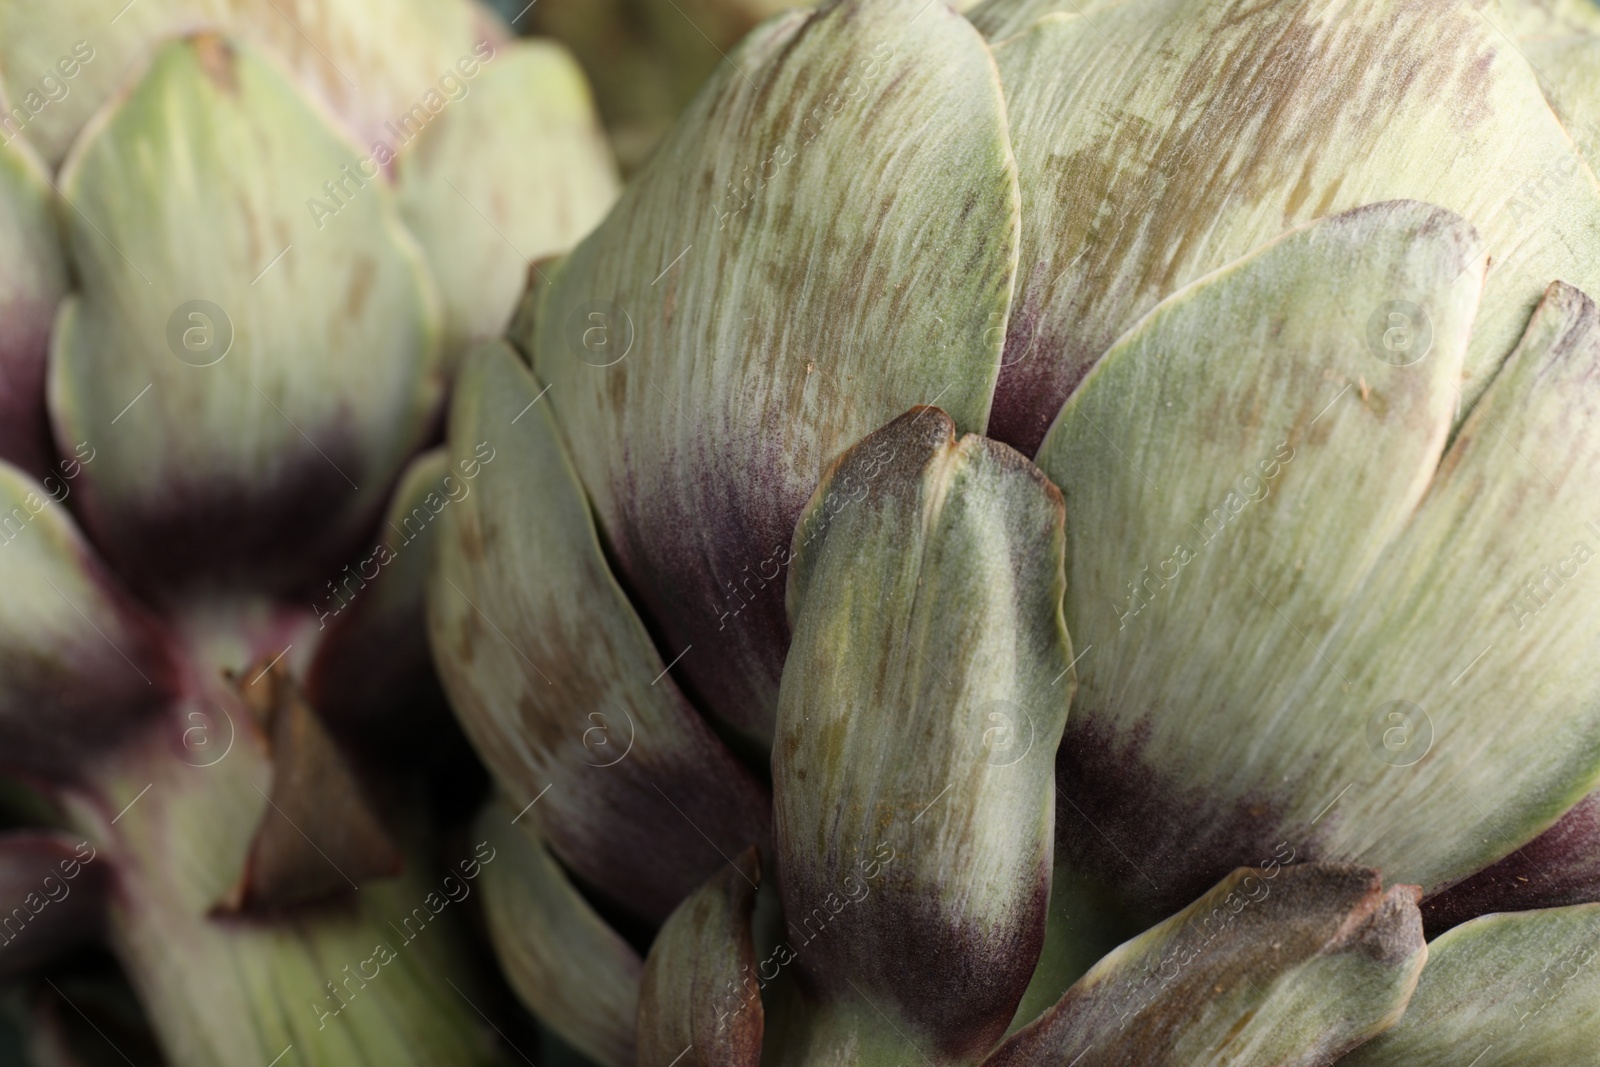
<point>368,60</point>
<point>1274,967</point>
<point>700,1004</point>
<point>1251,482</point>
<point>553,676</point>
<point>826,238</point>
<point>1159,140</point>
<point>922,700</point>
<point>1511,990</point>
<point>287,441</point>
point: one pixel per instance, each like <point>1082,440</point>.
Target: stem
<point>366,980</point>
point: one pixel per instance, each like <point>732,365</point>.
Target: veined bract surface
<point>1056,484</point>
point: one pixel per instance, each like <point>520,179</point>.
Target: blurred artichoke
<point>279,225</point>
<point>1287,305</point>
<point>645,58</point>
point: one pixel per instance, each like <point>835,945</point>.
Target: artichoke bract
<point>243,250</point>
<point>1124,471</point>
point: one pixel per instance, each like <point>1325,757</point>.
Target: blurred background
<point>644,58</point>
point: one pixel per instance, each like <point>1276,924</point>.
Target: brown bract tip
<point>1393,933</point>
<point>218,60</point>
<point>317,810</point>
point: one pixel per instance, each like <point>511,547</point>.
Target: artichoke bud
<point>234,389</point>
<point>1267,293</point>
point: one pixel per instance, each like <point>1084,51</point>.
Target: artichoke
<point>244,245</point>
<point>1056,535</point>
<point>645,58</point>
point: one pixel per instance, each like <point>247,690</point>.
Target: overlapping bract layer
<point>1287,300</point>
<point>193,463</point>
<point>554,676</point>
<point>1158,140</point>
<point>926,590</point>
<point>1259,972</point>
<point>706,364</point>
<point>1508,989</point>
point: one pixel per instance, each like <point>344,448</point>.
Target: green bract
<point>1104,467</point>
<point>243,247</point>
